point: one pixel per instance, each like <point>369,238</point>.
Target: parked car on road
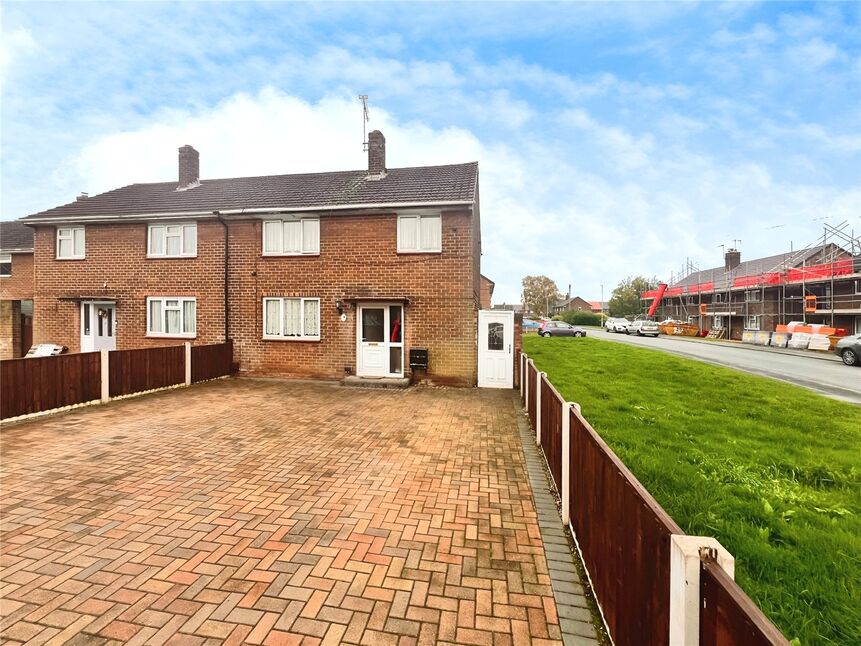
<point>611,324</point>
<point>849,349</point>
<point>641,327</point>
<point>561,328</point>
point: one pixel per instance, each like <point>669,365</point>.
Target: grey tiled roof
<point>423,184</point>
<point>722,278</point>
<point>14,235</point>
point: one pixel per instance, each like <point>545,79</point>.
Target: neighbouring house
<point>572,303</point>
<point>16,289</point>
<point>316,275</point>
<point>487,286</point>
<point>820,284</point>
<point>598,307</point>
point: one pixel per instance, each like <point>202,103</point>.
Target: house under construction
<point>818,284</point>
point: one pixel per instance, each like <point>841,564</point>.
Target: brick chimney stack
<point>732,259</point>
<point>376,153</point>
<point>189,168</point>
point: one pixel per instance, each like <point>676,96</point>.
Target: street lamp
<point>602,303</point>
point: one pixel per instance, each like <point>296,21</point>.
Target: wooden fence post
<point>685,556</point>
<point>106,375</point>
<point>187,363</point>
<point>565,487</point>
<point>540,377</point>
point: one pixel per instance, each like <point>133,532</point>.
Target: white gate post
<point>541,376</point>
<point>566,463</point>
<point>522,373</point>
<point>187,363</point>
<point>526,387</point>
<point>685,556</point>
<point>106,375</point>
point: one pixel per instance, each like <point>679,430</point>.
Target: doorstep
<point>376,382</point>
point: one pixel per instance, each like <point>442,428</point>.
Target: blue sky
<point>613,139</point>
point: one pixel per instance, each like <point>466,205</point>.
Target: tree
<point>625,300</point>
<point>540,295</point>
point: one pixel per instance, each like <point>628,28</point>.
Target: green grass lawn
<point>771,470</point>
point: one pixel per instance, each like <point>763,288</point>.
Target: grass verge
<point>773,471</point>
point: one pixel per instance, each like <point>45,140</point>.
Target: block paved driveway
<point>265,512</point>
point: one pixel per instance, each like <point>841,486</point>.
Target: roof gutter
<point>248,211</point>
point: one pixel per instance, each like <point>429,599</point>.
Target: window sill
<point>151,257</point>
<point>310,254</point>
<point>150,335</point>
<point>70,258</point>
<point>402,252</point>
<point>293,338</point>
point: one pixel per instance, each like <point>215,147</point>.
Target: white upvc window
<point>291,319</point>
<point>752,296</point>
<point>718,298</point>
<point>419,234</point>
<point>70,243</point>
<point>718,321</point>
<point>753,322</point>
<point>172,240</point>
<point>291,237</point>
<point>171,316</point>
<point>5,264</point>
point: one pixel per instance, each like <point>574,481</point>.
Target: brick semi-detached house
<point>315,275</point>
<point>16,289</point>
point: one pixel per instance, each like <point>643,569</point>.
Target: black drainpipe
<point>226,265</point>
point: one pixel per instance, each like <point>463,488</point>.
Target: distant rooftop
<point>15,236</point>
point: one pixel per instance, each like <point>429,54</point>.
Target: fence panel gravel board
<point>211,361</point>
<point>728,616</point>
<point>624,536</point>
<point>38,384</point>
<point>134,371</point>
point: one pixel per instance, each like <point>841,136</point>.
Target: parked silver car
<point>641,327</point>
<point>620,325</point>
<point>849,349</point>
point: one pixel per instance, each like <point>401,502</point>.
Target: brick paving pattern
<point>263,512</point>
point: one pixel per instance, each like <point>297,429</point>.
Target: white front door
<point>380,340</point>
<point>98,326</point>
<point>495,349</point>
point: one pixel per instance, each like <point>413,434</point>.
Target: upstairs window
<point>419,234</point>
<point>291,237</point>
<point>172,316</point>
<point>5,264</point>
<point>291,318</point>
<point>70,243</point>
<point>752,296</point>
<point>172,240</point>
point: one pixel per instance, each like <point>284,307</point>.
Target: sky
<point>613,139</point>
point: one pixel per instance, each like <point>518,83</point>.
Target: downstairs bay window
<point>291,319</point>
<point>171,317</point>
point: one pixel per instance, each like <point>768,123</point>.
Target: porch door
<point>98,326</point>
<point>380,347</point>
<point>495,349</point>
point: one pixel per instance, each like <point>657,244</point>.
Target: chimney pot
<point>83,196</point>
<point>189,168</point>
<point>732,259</point>
<point>376,153</point>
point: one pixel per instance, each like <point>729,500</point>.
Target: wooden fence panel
<point>531,380</point>
<point>624,536</point>
<point>728,616</point>
<point>211,361</point>
<point>551,430</point>
<point>133,371</point>
<point>44,383</point>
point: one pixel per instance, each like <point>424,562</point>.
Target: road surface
<point>821,373</point>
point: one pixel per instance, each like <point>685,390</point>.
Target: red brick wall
<point>10,329</point>
<point>486,295</point>
<point>18,286</point>
<point>358,258</point>
<point>116,255</point>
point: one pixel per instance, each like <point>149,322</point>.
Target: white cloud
<point>15,44</point>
